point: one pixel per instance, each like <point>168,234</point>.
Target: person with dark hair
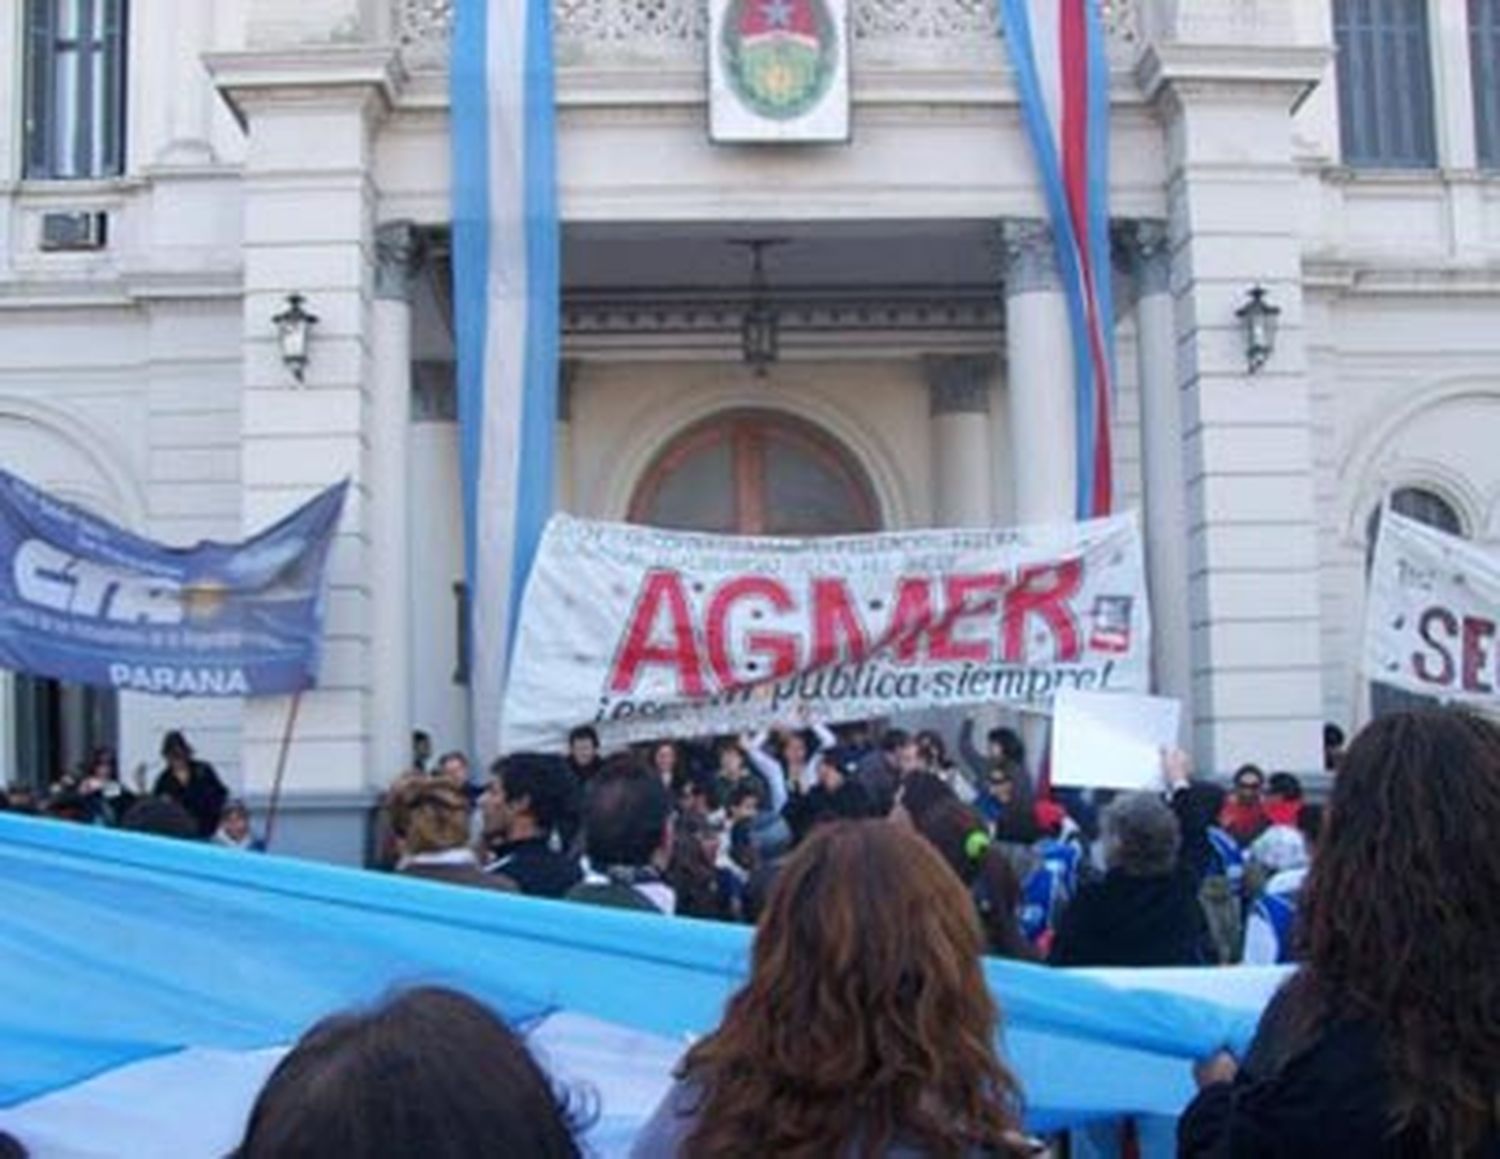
<point>627,836</point>
<point>1244,814</point>
<point>583,763</point>
<point>1385,1041</point>
<point>881,772</point>
<point>666,761</point>
<point>161,817</point>
<point>1007,802</point>
<point>836,797</point>
<point>235,832</point>
<point>430,819</point>
<point>429,1074</point>
<point>1333,747</point>
<point>1283,799</point>
<point>996,772</point>
<point>917,795</point>
<point>192,783</point>
<point>770,831</point>
<point>108,800</point>
<point>583,753</point>
<point>696,794</point>
<point>1002,746</point>
<point>11,1147</point>
<point>67,804</point>
<point>421,750</point>
<point>692,871</point>
<point>453,766</point>
<point>18,799</point>
<point>866,1027</point>
<point>1310,823</point>
<point>958,833</point>
<point>521,808</point>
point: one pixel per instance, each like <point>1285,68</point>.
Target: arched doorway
<point>756,473</point>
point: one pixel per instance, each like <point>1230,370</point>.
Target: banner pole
<point>286,745</point>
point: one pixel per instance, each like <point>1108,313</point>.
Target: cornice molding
<point>322,72</point>
<point>1231,68</point>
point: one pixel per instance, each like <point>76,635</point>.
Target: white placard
<point>778,70</point>
<point>1111,740</point>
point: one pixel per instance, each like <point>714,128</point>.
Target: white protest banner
<point>646,633</point>
<point>1111,740</point>
<point>1431,618</point>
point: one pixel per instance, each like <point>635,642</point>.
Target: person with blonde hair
<point>430,821</point>
<point>866,1027</point>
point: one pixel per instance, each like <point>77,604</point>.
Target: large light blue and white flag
<point>148,985</point>
<point>506,277</point>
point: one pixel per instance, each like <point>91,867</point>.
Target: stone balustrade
<point>644,31</point>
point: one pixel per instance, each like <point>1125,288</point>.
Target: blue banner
<point>88,602</point>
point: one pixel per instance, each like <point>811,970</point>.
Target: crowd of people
<point>186,798</point>
<point>878,871</point>
<point>866,1026</point>
<point>1192,875</point>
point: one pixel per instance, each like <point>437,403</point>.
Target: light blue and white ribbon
<point>507,302</point>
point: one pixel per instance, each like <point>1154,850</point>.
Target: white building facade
<point>171,170</point>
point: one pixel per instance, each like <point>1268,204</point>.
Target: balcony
<point>652,33</point>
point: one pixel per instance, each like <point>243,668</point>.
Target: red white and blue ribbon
<point>1062,76</point>
<point>507,304</point>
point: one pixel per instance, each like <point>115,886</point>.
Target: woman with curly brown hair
<point>1387,1042</point>
<point>866,1027</point>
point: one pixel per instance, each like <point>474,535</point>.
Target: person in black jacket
<point>1144,911</point>
<point>1387,1041</point>
<point>193,784</point>
<point>837,796</point>
<point>522,805</point>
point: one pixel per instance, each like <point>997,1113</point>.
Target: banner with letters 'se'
<point>645,633</point>
<point>86,601</point>
<point>1431,618</point>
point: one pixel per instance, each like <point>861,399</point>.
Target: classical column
<point>567,376</point>
<point>1039,355</point>
<point>959,388</point>
<point>306,188</point>
<point>1039,380</point>
<point>1165,498</point>
<point>397,259</point>
<point>1250,473</point>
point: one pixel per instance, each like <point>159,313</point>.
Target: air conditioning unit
<point>74,231</point>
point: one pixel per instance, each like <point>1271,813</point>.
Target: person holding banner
<point>1387,1041</point>
<point>796,769</point>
